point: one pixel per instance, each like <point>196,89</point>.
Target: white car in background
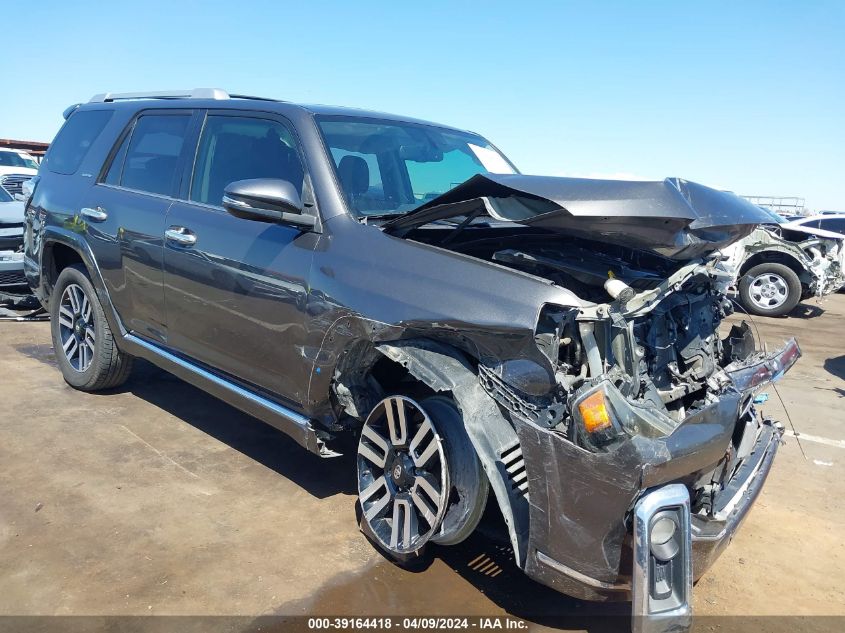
<point>16,167</point>
<point>14,289</point>
<point>781,263</point>
<point>833,222</point>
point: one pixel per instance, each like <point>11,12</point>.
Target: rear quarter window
<point>73,141</point>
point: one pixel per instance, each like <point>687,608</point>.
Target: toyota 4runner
<point>340,273</point>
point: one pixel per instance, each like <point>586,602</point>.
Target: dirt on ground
<point>156,498</point>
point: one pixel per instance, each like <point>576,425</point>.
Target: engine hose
<point>588,337</point>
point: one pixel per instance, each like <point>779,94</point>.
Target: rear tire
<point>87,354</point>
<point>770,290</point>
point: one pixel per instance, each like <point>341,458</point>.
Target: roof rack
<point>254,98</point>
<point>195,93</point>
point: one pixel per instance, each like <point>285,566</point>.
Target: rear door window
<point>152,156</point>
<point>75,139</point>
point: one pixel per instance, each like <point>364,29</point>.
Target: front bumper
<point>583,535</point>
<point>710,535</point>
<point>11,271</point>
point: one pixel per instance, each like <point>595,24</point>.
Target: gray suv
<point>341,273</point>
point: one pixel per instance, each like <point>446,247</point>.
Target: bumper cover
<point>11,271</point>
<point>580,535</point>
<point>710,536</point>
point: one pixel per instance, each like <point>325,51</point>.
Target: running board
<point>289,422</point>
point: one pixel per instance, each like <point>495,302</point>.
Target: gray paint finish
<point>272,317</point>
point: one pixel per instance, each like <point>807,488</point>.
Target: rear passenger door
<point>236,289</point>
<point>125,213</point>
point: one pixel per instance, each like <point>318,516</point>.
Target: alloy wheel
<point>403,477</point>
<point>768,291</point>
<point>76,327</point>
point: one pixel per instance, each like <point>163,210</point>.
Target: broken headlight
<point>596,425</point>
<point>602,418</point>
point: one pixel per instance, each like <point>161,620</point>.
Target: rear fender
<point>52,236</point>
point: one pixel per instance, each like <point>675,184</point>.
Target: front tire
<point>770,290</point>
<point>419,479</point>
<point>83,342</point>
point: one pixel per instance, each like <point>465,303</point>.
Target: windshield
<point>391,167</point>
<point>13,159</point>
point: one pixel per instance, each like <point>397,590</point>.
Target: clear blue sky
<point>746,96</point>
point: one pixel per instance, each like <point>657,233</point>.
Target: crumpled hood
<point>674,218</point>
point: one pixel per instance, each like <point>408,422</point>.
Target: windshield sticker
<point>491,160</point>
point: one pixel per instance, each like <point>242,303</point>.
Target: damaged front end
<point>652,405</point>
<point>640,439</point>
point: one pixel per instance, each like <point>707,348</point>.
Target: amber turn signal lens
<point>594,412</point>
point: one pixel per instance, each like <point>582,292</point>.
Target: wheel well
<point>392,377</point>
<point>774,257</point>
<point>60,257</point>
<point>364,376</point>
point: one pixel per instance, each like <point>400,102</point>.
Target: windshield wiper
<point>457,221</point>
<point>365,218</point>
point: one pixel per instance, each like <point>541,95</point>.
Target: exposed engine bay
<point>650,325</point>
<point>646,263</point>
<point>677,344</point>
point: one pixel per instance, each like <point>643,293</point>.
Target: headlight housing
<point>596,424</point>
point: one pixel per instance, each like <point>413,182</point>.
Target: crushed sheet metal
<point>674,218</point>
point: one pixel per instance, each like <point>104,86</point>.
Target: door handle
<point>180,235</point>
<point>97,214</point>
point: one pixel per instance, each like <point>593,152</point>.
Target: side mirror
<point>266,200</point>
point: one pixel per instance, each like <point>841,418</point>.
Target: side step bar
<point>289,422</point>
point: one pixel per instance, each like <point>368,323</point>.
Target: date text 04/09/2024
<point>418,623</point>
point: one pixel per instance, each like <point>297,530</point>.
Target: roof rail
<point>254,98</point>
<point>195,93</point>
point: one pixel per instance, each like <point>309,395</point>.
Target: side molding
<point>289,422</point>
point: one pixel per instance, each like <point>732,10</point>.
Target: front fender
<point>495,441</point>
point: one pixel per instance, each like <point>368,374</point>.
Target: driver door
<point>235,289</point>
